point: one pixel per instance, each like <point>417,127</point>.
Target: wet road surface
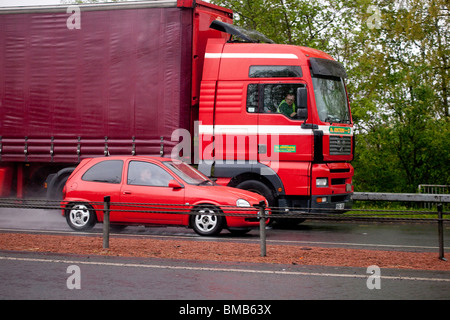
<point>45,276</point>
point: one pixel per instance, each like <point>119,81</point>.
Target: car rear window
<point>109,171</point>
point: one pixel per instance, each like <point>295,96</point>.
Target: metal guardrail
<point>439,199</point>
<point>260,211</point>
<point>407,197</point>
<point>432,189</point>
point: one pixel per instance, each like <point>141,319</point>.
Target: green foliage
<point>396,54</point>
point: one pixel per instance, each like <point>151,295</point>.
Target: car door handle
<point>127,192</point>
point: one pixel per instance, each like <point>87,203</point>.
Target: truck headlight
<point>242,203</point>
<point>321,182</point>
<point>348,187</point>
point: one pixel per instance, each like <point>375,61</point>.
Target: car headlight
<point>242,203</point>
<point>321,182</point>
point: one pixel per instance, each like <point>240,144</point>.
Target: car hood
<point>248,195</point>
<point>232,194</point>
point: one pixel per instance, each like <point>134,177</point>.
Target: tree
<point>396,55</point>
<point>408,94</point>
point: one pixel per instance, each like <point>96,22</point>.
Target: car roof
<point>124,158</point>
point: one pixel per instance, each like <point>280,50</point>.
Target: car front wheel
<point>81,217</point>
<point>206,222</point>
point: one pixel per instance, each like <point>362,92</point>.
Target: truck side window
<point>252,98</point>
<point>273,96</point>
<point>275,72</point>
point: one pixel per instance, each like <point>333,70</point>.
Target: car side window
<point>109,171</point>
<point>147,174</point>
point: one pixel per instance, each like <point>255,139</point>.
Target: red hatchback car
<point>149,190</point>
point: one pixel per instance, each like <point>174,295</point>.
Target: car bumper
<point>245,218</point>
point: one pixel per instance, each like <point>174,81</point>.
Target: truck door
<point>280,133</point>
<point>235,127</point>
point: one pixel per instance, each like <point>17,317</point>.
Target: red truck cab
<point>296,160</point>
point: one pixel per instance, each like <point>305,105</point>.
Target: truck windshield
<point>331,100</point>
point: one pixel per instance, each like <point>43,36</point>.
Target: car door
<point>102,179</point>
<point>148,183</point>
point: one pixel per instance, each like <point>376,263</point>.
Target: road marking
<point>211,269</point>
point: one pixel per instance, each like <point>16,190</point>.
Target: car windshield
<point>187,173</point>
<point>331,100</point>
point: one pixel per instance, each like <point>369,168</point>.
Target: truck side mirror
<point>302,103</point>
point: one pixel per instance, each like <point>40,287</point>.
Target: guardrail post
<point>106,200</point>
<point>262,227</point>
<point>441,232</point>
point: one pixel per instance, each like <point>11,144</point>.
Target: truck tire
<point>260,188</point>
<point>55,183</point>
<point>58,192</point>
<point>80,216</point>
<point>206,222</point>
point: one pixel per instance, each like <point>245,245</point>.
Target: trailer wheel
<point>55,183</point>
<point>206,222</point>
<point>81,217</point>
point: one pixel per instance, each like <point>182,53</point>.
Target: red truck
<point>170,78</point>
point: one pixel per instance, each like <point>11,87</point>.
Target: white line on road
<point>211,269</point>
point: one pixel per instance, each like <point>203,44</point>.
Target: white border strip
<point>262,129</point>
<point>250,56</point>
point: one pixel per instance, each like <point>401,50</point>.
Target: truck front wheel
<point>259,188</point>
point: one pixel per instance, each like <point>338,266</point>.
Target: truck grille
<point>340,145</point>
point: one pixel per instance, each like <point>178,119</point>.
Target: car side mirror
<point>302,103</point>
<point>175,185</point>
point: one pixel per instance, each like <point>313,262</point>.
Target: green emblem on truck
<point>340,130</point>
<point>285,148</point>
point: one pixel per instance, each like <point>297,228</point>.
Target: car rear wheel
<point>81,217</point>
<point>206,222</point>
